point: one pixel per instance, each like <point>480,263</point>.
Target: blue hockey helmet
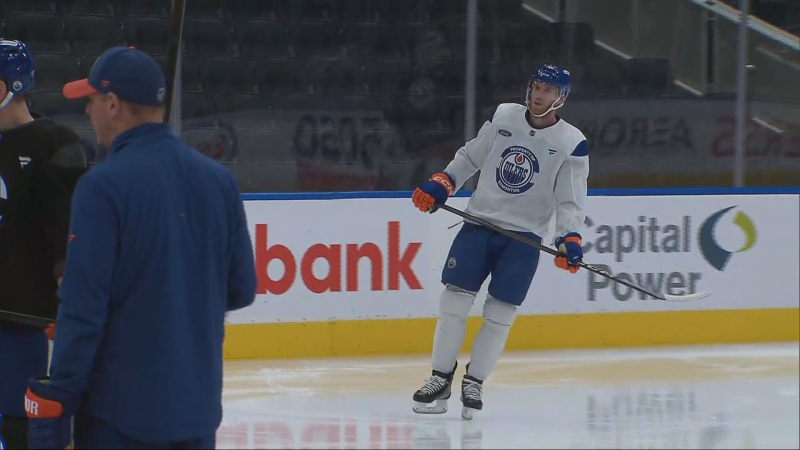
<point>553,76</point>
<point>16,69</point>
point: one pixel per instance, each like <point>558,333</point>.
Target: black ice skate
<point>471,395</point>
<point>432,397</point>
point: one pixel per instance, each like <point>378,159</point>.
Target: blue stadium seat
<point>502,77</point>
<point>280,75</point>
<point>369,40</point>
<point>262,37</point>
<point>53,70</point>
<point>237,102</point>
<point>316,38</point>
<point>390,76</point>
<point>448,75</point>
<point>195,105</point>
<point>204,8</point>
<point>93,7</point>
<point>313,9</point>
<point>12,6</point>
<point>42,32</point>
<point>451,111</point>
<point>208,36</point>
<point>160,8</point>
<point>147,33</point>
<point>424,140</point>
<point>355,102</point>
<point>266,9</point>
<point>449,10</point>
<point>413,111</point>
<point>227,74</point>
<point>336,76</point>
<point>357,10</point>
<point>92,33</point>
<point>53,103</point>
<point>304,102</point>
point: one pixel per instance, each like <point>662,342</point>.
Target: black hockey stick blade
<point>173,53</point>
<point>25,319</point>
<point>554,252</point>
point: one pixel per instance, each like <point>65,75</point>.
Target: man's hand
<point>571,252</point>
<point>435,190</point>
<point>50,414</point>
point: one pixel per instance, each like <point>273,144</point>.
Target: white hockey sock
<point>454,306</point>
<point>491,339</point>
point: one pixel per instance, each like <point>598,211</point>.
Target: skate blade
<point>437,407</point>
<point>467,413</point>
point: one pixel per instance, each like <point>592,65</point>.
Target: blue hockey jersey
<point>159,251</point>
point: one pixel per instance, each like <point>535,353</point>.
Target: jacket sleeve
<point>242,282</point>
<point>85,292</point>
<point>470,158</point>
<point>54,184</point>
<point>570,191</point>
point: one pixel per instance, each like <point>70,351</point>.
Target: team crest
<point>516,170</point>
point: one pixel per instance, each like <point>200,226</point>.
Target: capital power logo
<point>718,237</point>
<point>718,255</point>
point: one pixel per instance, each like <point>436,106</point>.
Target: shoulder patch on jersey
<point>505,133</point>
<point>582,149</point>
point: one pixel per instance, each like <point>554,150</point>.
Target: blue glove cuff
<point>42,388</point>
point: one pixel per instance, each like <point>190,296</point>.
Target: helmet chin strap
<point>6,100</point>
<point>552,107</point>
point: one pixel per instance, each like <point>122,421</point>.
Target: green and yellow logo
<point>717,256</point>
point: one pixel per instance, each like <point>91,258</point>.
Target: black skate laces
<point>472,390</point>
<point>433,385</point>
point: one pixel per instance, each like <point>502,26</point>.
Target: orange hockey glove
<point>571,252</point>
<point>436,190</point>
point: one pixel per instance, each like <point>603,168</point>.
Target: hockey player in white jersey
<point>533,164</point>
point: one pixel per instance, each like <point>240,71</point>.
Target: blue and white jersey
<point>527,174</point>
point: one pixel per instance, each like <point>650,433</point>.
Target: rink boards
<point>357,274</point>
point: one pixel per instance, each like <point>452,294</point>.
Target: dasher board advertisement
<point>380,258</point>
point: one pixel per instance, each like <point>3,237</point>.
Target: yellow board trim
<point>354,338</point>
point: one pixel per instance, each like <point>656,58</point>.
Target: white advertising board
<point>380,258</point>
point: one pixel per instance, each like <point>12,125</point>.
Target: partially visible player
<point>533,165</point>
<point>159,252</point>
<point>40,163</point>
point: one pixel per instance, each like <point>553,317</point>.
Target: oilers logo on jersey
<point>516,170</point>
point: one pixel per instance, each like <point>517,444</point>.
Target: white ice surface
<point>694,397</point>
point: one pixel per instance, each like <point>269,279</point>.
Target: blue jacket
<point>159,251</point>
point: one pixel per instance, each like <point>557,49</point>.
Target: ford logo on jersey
<point>516,169</point>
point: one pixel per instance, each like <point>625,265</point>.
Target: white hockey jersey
<point>527,174</point>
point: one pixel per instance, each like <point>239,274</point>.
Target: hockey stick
<point>25,319</point>
<point>589,267</point>
<point>173,53</point>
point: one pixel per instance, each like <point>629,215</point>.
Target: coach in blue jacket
<point>159,251</point>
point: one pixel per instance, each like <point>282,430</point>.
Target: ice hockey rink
<point>686,397</point>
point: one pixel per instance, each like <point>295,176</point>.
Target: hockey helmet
<point>16,69</point>
<point>553,76</point>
